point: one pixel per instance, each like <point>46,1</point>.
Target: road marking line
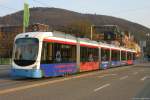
<point>135,73</point>
<point>112,74</point>
<point>124,77</point>
<point>144,78</point>
<point>97,89</point>
<point>107,75</point>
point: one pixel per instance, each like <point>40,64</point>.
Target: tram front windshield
<point>26,51</point>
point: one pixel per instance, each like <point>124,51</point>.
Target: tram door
<point>105,58</point>
<point>115,58</point>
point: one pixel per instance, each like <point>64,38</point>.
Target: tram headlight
<point>34,67</point>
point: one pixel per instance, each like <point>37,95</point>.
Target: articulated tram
<point>50,54</point>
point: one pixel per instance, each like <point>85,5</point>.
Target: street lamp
<point>148,46</point>
<point>148,34</point>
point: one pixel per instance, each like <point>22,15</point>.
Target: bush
<point>5,61</point>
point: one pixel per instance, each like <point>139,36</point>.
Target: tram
<point>50,54</point>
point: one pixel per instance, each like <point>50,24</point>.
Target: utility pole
<point>148,46</point>
<point>92,26</point>
<point>142,45</point>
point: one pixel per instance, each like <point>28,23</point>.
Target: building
<point>108,33</point>
<point>8,33</point>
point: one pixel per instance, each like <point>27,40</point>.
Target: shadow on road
<point>144,94</point>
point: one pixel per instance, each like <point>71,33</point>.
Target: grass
<point>5,61</point>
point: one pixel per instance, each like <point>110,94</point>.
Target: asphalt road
<point>121,83</point>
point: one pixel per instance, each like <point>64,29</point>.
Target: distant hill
<point>59,17</point>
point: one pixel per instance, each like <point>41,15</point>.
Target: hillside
<point>55,17</point>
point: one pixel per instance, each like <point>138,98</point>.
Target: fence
<point>5,61</point>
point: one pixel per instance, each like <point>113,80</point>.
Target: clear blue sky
<point>133,10</point>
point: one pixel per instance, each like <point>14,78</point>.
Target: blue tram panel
<point>31,73</point>
<point>58,69</point>
<point>104,65</point>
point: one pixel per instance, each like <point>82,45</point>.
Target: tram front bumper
<point>31,73</point>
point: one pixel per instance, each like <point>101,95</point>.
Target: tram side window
<point>92,54</point>
<point>83,54</point>
<point>58,53</point>
<point>115,55</point>
<point>134,56</point>
<point>68,53</point>
<point>47,56</point>
<point>129,55</point>
<point>96,54</point>
<point>123,55</point>
<point>105,54</point>
<point>88,54</point>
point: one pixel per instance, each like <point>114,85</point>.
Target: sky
<point>137,11</point>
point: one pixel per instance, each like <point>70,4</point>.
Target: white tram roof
<point>111,46</point>
<point>130,50</point>
<point>86,41</point>
<point>56,35</point>
<point>39,35</point>
<point>48,35</point>
<point>104,45</point>
<point>127,49</point>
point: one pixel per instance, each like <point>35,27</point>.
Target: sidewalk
<point>5,67</point>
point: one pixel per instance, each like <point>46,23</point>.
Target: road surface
<point>121,83</point>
